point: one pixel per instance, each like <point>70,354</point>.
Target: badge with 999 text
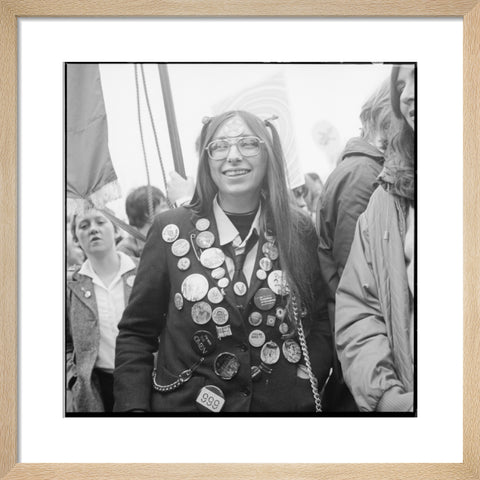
<point>210,399</point>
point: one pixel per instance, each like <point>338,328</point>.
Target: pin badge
<point>240,289</point>
<point>283,328</point>
<point>178,301</point>
<point>280,313</point>
<point>220,316</point>
<point>215,295</point>
<point>224,331</point>
<point>269,237</point>
<point>255,373</point>
<point>256,338</point>
<point>201,313</point>
<point>183,263</point>
<point>264,299</point>
<point>170,233</point>
<point>205,239</point>
<point>255,319</point>
<point>181,247</point>
<point>261,274</point>
<point>223,282</point>
<point>210,399</point>
<point>270,353</point>
<point>218,273</point>
<point>226,365</point>
<point>270,250</point>
<point>265,264</point>
<point>131,280</point>
<point>277,281</point>
<point>203,342</point>
<point>87,293</point>
<point>291,351</point>
<point>194,287</point>
<point>302,372</point>
<point>212,258</point>
<point>202,224</point>
<point>271,320</point>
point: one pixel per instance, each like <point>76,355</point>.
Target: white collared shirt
<point>227,233</point>
<point>110,306</point>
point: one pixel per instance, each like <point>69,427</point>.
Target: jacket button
<point>243,347</point>
<point>245,392</point>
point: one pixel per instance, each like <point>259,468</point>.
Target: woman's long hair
<point>280,216</point>
<point>400,155</point>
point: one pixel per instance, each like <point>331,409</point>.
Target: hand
<point>180,190</point>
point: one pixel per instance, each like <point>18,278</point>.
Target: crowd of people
<point>249,296</point>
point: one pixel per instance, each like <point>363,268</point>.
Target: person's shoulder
<point>174,215</point>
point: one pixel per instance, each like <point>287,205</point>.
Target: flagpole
<point>171,120</point>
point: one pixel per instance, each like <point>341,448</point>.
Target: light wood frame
<point>11,10</point>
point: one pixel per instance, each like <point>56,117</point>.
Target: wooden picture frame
<point>11,10</point>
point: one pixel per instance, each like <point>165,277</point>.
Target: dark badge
<point>265,264</point>
<point>226,365</point>
<point>224,331</point>
<point>170,233</point>
<point>264,299</point>
<point>181,247</point>
<point>178,300</point>
<point>210,399</point>
<point>256,338</point>
<point>201,313</point>
<point>270,353</point>
<point>183,263</point>
<point>203,343</point>
<point>202,224</point>
<point>212,258</point>
<point>194,287</point>
<point>271,320</point>
<point>240,289</point>
<point>215,295</point>
<point>291,351</point>
<point>223,282</point>
<point>255,319</point>
<point>261,274</point>
<point>218,273</point>
<point>205,239</point>
<point>277,281</point>
<point>220,316</point>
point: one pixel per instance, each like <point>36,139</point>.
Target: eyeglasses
<point>247,146</point>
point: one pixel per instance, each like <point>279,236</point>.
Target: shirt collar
<point>226,230</point>
<point>126,264</point>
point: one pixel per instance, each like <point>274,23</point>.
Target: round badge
<point>202,224</point>
<point>215,295</point>
<point>261,274</point>
<point>212,258</point>
<point>270,250</point>
<point>203,343</point>
<point>170,233</point>
<point>178,300</point>
<point>291,351</point>
<point>277,281</point>
<point>201,313</point>
<point>205,239</point>
<point>218,273</point>
<point>280,313</point>
<point>283,328</point>
<point>269,237</point>
<point>220,316</point>
<point>270,353</point>
<point>226,365</point>
<point>131,280</point>
<point>183,263</point>
<point>181,247</point>
<point>265,264</point>
<point>223,282</point>
<point>256,338</point>
<point>255,319</point>
<point>264,299</point>
<point>195,287</point>
<point>240,289</point>
<point>87,294</point>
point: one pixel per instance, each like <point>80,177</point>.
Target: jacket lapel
<point>82,288</point>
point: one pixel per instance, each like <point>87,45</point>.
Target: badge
<point>87,293</point>
<point>264,299</point>
<point>218,273</point>
<point>261,274</point>
<point>240,289</point>
<point>302,372</point>
<point>215,295</point>
<point>195,287</point>
<point>205,239</point>
<point>183,264</point>
<point>271,319</point>
<point>277,281</point>
<point>201,313</point>
<point>270,353</point>
<point>291,351</point>
<point>223,282</point>
<point>220,316</point>
<point>280,313</point>
<point>181,247</point>
<point>170,233</point>
<point>256,338</point>
<point>283,328</point>
<point>202,224</point>
<point>212,258</point>
<point>270,250</point>
<point>131,280</point>
<point>255,319</point>
<point>178,300</point>
<point>210,399</point>
<point>226,365</point>
<point>203,343</point>
<point>265,264</point>
<point>225,331</point>
<point>269,237</point>
<point>255,373</point>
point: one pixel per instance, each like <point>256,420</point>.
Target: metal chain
<point>183,377</point>
<point>306,356</point>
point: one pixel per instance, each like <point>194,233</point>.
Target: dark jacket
<point>346,195</point>
<point>152,313</point>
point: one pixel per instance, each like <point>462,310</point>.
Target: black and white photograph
<point>240,239</point>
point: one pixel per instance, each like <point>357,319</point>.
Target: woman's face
<point>95,233</point>
<point>406,90</point>
<point>238,174</point>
